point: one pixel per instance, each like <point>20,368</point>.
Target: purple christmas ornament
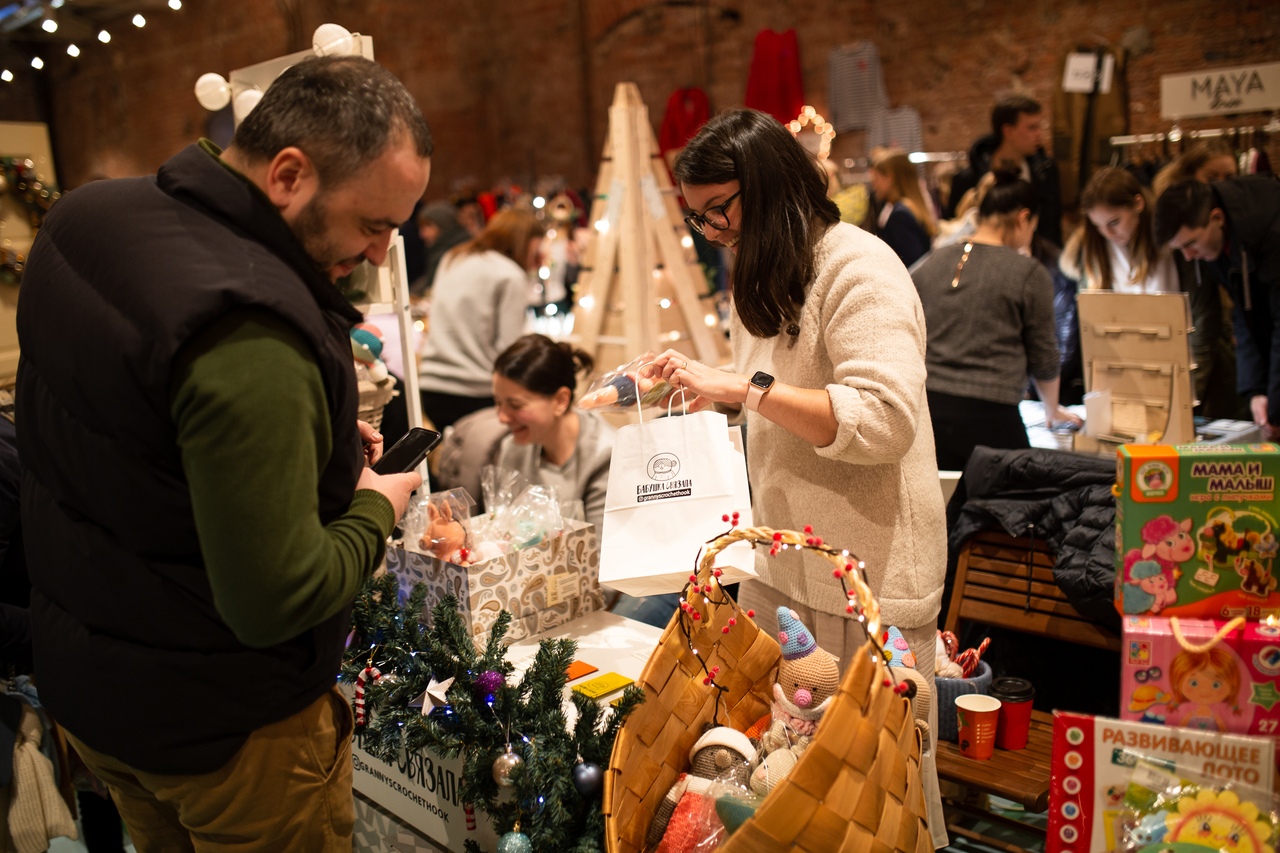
<point>489,681</point>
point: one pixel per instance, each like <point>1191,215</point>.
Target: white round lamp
<point>245,102</point>
<point>333,40</point>
<point>212,91</point>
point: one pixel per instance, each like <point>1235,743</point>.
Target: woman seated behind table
<point>989,314</point>
<point>478,304</point>
<point>1114,247</point>
<point>550,442</point>
<point>553,444</point>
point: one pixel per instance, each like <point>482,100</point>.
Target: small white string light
<point>175,5</point>
<point>72,50</point>
<point>6,75</point>
<point>139,21</point>
<point>104,36</point>
<point>37,63</point>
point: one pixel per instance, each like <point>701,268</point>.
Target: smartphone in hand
<point>407,453</point>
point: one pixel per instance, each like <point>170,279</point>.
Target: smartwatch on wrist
<point>757,387</point>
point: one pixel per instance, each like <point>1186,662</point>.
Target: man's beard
<point>311,228</point>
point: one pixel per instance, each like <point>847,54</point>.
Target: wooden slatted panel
<point>1021,775</point>
<point>993,576</point>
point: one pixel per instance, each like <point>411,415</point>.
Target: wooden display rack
<point>640,284</point>
<point>1137,347</point>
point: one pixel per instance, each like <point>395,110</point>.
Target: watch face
<point>762,380</point>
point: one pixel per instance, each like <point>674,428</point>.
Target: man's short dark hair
<point>1183,205</point>
<point>1007,110</point>
<point>342,111</point>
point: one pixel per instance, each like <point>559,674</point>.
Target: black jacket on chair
<point>1060,498</point>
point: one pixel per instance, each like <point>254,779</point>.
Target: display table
<point>413,805</point>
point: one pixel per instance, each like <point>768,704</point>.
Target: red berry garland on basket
<point>847,569</point>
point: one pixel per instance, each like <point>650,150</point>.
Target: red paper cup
<point>1015,695</point>
<point>976,716</point>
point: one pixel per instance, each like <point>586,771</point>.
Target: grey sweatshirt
<point>992,330</point>
<point>477,310</point>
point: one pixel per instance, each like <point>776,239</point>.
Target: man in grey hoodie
<point>1234,226</point>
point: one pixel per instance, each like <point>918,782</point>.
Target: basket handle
<point>847,566</point>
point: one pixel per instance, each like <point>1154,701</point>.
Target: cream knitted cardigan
<point>874,490</point>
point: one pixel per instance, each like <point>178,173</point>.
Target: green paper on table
<point>603,685</point>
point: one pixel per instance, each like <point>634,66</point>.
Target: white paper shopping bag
<point>671,482</point>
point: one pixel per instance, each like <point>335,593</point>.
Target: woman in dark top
<point>905,221</point>
<point>988,309</point>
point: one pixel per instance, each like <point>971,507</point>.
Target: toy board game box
<point>1211,679</point>
<point>1196,530</point>
<point>1094,758</point>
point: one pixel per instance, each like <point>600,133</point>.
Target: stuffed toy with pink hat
<point>807,681</point>
<point>685,820</point>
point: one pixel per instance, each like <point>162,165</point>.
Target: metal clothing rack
<point>1177,135</point>
<point>937,156</point>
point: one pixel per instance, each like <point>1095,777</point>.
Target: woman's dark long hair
<point>783,211</point>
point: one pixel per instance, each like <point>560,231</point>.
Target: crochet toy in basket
<point>755,744</point>
<point>374,381</point>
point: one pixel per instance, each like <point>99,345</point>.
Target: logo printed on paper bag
<point>664,467</point>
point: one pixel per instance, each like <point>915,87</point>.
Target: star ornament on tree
<point>434,696</point>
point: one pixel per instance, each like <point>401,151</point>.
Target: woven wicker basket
<point>857,786</point>
<point>374,397</point>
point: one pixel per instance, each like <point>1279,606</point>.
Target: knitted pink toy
<point>808,678</point>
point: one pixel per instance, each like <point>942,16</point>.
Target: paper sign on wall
<point>1217,91</point>
<point>1082,69</point>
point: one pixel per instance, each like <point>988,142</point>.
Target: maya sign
<point>1243,89</point>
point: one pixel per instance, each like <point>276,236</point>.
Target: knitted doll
<point>684,820</point>
<point>807,680</point>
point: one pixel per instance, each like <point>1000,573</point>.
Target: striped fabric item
<point>855,86</point>
<point>897,128</point>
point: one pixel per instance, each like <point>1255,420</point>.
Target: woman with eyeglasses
<point>828,340</point>
<point>989,307</point>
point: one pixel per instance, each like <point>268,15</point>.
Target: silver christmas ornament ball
<point>515,842</point>
<point>588,778</point>
<point>503,766</point>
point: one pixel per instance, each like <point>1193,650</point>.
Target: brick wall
<point>522,88</point>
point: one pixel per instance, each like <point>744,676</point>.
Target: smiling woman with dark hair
<point>829,341</point>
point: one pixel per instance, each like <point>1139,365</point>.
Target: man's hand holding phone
<point>372,441</point>
<point>394,474</point>
<point>394,487</point>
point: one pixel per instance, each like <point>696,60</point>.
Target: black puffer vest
<point>131,654</point>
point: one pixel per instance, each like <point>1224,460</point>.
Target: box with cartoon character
<point>1201,674</point>
<point>1196,530</point>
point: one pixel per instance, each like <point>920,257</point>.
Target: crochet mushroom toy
<point>808,678</point>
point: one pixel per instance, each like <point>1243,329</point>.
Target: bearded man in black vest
<point>196,501</point>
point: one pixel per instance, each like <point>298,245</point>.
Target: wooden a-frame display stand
<point>640,287</point>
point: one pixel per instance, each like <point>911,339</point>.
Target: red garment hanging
<point>687,111</point>
<point>773,85</point>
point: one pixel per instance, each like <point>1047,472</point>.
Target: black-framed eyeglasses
<point>717,217</point>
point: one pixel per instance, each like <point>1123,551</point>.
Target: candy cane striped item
<point>968,659</point>
<point>470,812</point>
<point>368,675</point>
